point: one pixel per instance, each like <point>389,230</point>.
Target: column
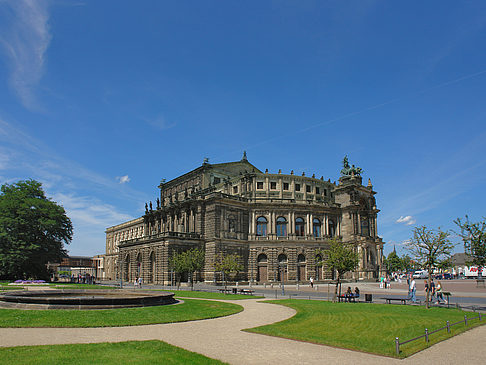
<point>307,224</point>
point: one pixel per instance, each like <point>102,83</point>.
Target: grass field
<point>132,352</point>
<point>190,310</point>
<point>365,327</point>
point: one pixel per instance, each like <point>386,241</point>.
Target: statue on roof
<point>244,156</point>
<point>350,170</point>
<point>206,160</point>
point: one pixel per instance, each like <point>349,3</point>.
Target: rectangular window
<point>216,180</point>
<point>273,185</point>
<point>297,187</point>
<point>286,186</point>
<point>317,190</point>
<point>259,184</point>
<point>235,189</point>
<point>325,192</point>
<point>308,188</point>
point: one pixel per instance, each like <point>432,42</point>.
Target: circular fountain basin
<point>83,299</point>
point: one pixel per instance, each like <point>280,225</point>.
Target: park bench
<point>348,297</point>
<point>390,299</point>
<point>247,291</point>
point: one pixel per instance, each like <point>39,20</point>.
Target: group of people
<point>433,290</point>
<point>137,283</point>
<point>385,282</point>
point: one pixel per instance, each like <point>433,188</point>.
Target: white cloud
<point>408,220</point>
<point>160,123</point>
<point>25,38</point>
<point>89,211</point>
<point>122,179</point>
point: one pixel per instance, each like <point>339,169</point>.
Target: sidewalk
<point>222,339</point>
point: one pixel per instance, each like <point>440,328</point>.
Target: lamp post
<point>282,271</point>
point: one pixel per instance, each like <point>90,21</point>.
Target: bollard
<point>448,327</point>
<point>397,345</point>
<point>426,335</point>
<point>465,319</point>
<point>275,294</point>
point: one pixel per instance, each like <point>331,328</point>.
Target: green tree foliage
<point>341,258</point>
<point>188,261</point>
<point>408,264</point>
<point>430,248</point>
<point>33,231</point>
<point>228,264</point>
<point>474,237</point>
<point>393,262</point>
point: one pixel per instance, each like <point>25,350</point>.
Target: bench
<point>348,298</point>
<point>246,291</point>
<point>390,299</point>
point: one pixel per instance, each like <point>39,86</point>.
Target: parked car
<point>420,274</point>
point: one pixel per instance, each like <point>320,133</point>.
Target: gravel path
<point>222,338</point>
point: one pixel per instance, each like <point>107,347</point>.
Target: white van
<point>421,274</point>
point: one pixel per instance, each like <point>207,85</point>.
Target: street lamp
<point>281,267</point>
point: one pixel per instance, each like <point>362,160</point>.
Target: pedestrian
<point>381,282</point>
<point>432,290</point>
<point>412,290</point>
<point>140,282</point>
<point>311,282</point>
<point>388,282</point>
<point>438,291</point>
<point>135,283</point>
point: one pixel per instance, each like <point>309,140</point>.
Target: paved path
<point>222,338</point>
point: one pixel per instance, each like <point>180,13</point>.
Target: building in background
<point>274,222</point>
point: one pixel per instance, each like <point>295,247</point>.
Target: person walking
<point>438,291</point>
<point>311,282</point>
<point>432,290</point>
<point>412,290</point>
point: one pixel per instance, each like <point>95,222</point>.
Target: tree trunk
<point>427,298</point>
<point>336,288</point>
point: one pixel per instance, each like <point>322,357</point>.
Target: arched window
<point>261,226</point>
<point>231,224</point>
<point>316,227</point>
<point>332,228</point>
<point>301,259</point>
<point>281,227</point>
<point>262,258</point>
<point>299,227</point>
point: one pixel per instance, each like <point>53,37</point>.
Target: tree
<point>341,258</point>
<point>33,231</point>
<point>393,262</point>
<point>188,261</point>
<point>474,237</point>
<point>228,264</point>
<point>430,248</point>
<point>407,263</point>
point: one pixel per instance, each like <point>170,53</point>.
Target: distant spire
<point>394,249</point>
<point>369,184</point>
<point>244,156</point>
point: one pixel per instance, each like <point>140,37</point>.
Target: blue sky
<point>100,100</point>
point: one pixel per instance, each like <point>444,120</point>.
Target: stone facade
<point>274,222</point>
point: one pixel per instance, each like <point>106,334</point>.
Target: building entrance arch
<point>301,268</point>
<point>262,274</point>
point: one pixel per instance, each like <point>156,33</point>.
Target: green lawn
<point>365,327</point>
<point>190,310</point>
<point>133,352</point>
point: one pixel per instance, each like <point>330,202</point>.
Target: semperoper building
<point>276,223</point>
